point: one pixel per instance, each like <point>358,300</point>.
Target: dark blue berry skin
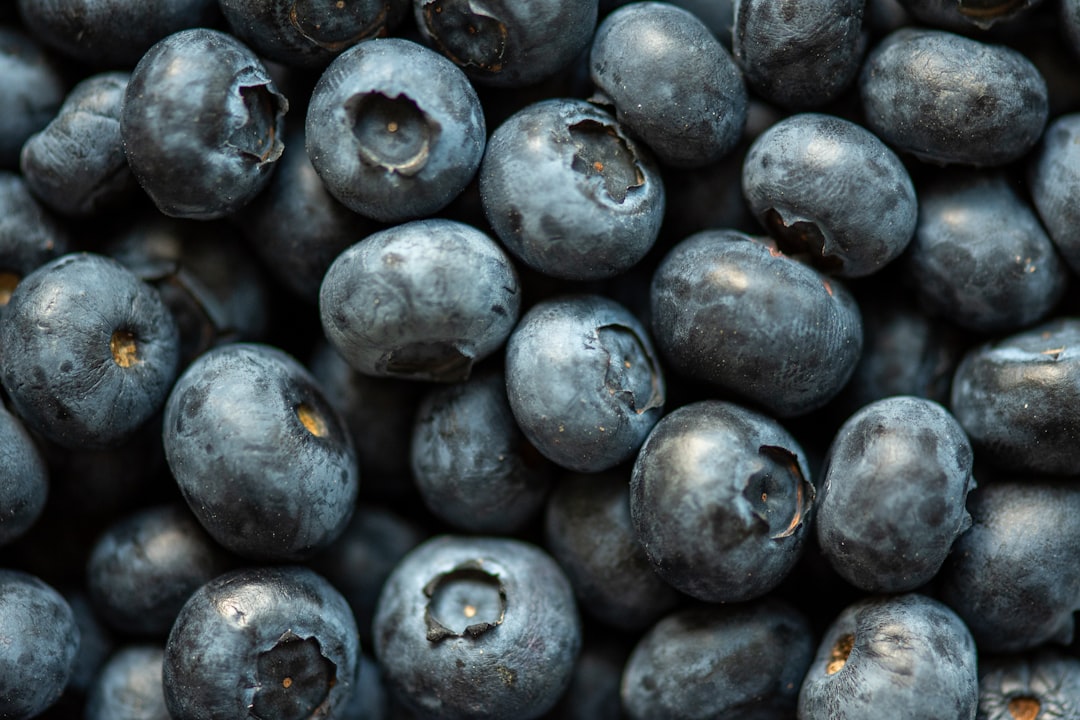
<point>718,16</point>
<point>1070,17</point>
<point>980,258</point>
<point>1013,577</point>
<point>721,501</point>
<point>394,130</point>
<point>507,43</point>
<point>76,164</point>
<point>470,461</point>
<point>261,457</point>
<point>588,530</point>
<point>30,235</point>
<point>143,568</point>
<point>1041,684</point>
<point>24,479</point>
<point>799,55</point>
<point>1055,180</point>
<point>906,657</point>
<point>267,642</point>
<point>477,628</point>
<point>743,661</point>
<point>96,643</point>
<point>584,382</point>
<point>949,99</point>
<point>965,16</point>
<point>569,192</point>
<point>32,92</point>
<point>721,312</point>
<point>829,190</point>
<point>310,33</point>
<point>593,693</point>
<point>89,351</point>
<point>202,123</point>
<point>40,642</point>
<point>891,500</point>
<point>1018,399</point>
<point>398,304</point>
<point>129,686</point>
<point>111,33</point>
<point>671,81</point>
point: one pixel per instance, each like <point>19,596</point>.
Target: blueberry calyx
<point>262,108</point>
<point>317,21</point>
<point>602,152</point>
<point>838,655</point>
<point>802,238</point>
<point>8,281</point>
<point>466,601</point>
<point>778,493</point>
<point>1024,708</point>
<point>294,678</point>
<point>392,132</point>
<point>124,348</point>
<point>625,350</point>
<point>467,33</point>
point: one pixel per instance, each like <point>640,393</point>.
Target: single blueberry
<point>31,93</point>
<point>24,479</point>
<point>1055,178</point>
<point>129,686</point>
<point>30,235</point>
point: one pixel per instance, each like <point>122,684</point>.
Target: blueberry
<point>202,124</point>
<point>90,351</point>
<point>593,693</point>
<point>265,642</point>
<point>129,686</point>
<point>394,130</point>
<point>671,81</point>
<point>790,179</point>
<point>721,501</point>
<point>949,99</point>
<point>30,235</point>
<point>398,303</point>
<point>742,661</point>
<point>1044,683</point>
<point>1054,180</point>
<point>906,657</point>
<point>966,16</point>
<point>478,628</point>
<point>32,92</point>
<point>96,644</point>
<point>252,442</point>
<point>569,192</point>
<point>583,381</point>
<point>24,479</point>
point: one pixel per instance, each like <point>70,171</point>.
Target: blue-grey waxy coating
<point>831,189</point>
<point>949,99</point>
<point>1018,399</point>
<point>40,640</point>
<point>798,54</point>
<point>911,658</point>
<point>421,300</point>
<point>1055,184</point>
<point>513,663</point>
<point>58,366</point>
<point>258,479</point>
<point>672,83</point>
<point>212,668</point>
<point>24,479</point>
<point>202,124</point>
<point>32,92</point>
<point>967,17</point>
<point>569,192</point>
<point>744,661</point>
<point>721,501</point>
<point>723,311</point>
<point>375,85</point>
<point>129,686</point>
<point>1013,576</point>
<point>584,382</point>
<point>1046,676</point>
<point>29,233</point>
<point>891,502</point>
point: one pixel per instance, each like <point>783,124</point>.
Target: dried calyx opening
<point>632,374</point>
<point>433,361</point>
<point>778,492</point>
<point>990,9</point>
<point>312,420</point>
<point>124,348</point>
<point>391,132</point>
<point>464,602</point>
<point>8,281</point>
<point>599,151</point>
<point>467,33</point>
<point>839,653</point>
<point>258,136</point>
<point>801,239</point>
<point>338,24</point>
<point>294,679</point>
<point>1024,708</point>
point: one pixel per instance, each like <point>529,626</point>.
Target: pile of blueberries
<point>560,359</point>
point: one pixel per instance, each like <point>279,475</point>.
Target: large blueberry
<point>1055,181</point>
<point>394,130</point>
<point>261,457</point>
<point>24,478</point>
<point>477,628</point>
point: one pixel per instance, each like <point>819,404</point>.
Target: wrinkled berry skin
<point>671,81</point>
<point>743,661</point>
<point>1055,182</point>
<point>476,628</point>
<point>1018,399</point>
<point>905,656</point>
<point>949,99</point>
<point>798,55</point>
<point>1045,681</point>
<point>24,479</point>
<point>398,304</point>
<point>721,501</point>
<point>790,179</point>
<point>722,312</point>
<point>268,642</point>
<point>891,500</point>
<point>1013,576</point>
<point>202,124</point>
<point>128,687</point>
<point>394,130</point>
<point>569,192</point>
<point>583,381</point>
